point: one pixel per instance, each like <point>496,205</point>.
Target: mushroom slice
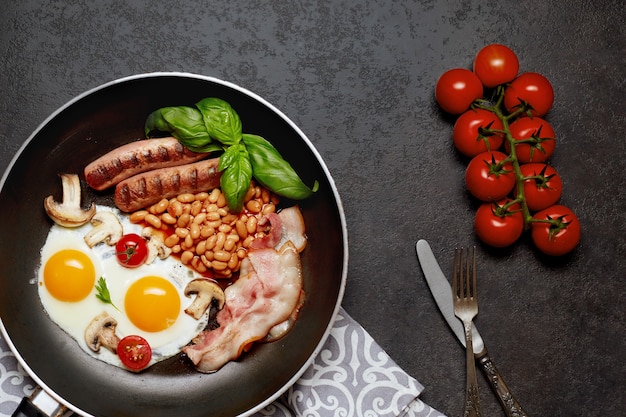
<point>106,228</point>
<point>206,291</point>
<point>101,332</point>
<point>156,245</point>
<point>69,213</point>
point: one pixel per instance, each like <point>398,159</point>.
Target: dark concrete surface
<point>358,78</point>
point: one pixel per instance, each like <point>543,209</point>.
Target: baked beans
<point>202,231</point>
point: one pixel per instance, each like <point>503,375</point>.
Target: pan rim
<point>315,152</point>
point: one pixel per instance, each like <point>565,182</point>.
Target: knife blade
<point>442,293</point>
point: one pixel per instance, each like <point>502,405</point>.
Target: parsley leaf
<point>103,292</point>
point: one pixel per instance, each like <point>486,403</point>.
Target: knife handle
<point>509,404</point>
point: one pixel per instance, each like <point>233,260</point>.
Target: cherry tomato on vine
<point>488,177</point>
<point>134,352</point>
<point>542,186</point>
<point>560,236</point>
<point>537,139</point>
<point>532,91</point>
<point>496,64</point>
<point>477,131</point>
<point>499,226</point>
<point>131,250</point>
<point>456,89</point>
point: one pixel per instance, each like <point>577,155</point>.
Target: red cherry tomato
<point>474,132</point>
<point>134,352</point>
<point>131,250</point>
<point>456,89</point>
<point>497,226</point>
<point>496,64</point>
<point>532,91</point>
<point>559,237</point>
<point>537,136</point>
<point>542,186</point>
<point>487,178</point>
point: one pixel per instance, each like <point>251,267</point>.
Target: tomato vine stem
<point>495,106</point>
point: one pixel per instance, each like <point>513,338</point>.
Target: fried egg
<point>148,301</point>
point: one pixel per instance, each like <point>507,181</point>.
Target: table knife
<point>442,292</point>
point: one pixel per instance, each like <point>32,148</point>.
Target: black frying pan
<point>91,125</point>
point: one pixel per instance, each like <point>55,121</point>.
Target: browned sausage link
<point>145,189</point>
<point>136,157</point>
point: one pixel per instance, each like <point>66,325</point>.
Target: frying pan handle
<point>39,404</point>
<point>27,409</point>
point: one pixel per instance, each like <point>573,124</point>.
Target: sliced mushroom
<point>106,228</point>
<point>156,245</point>
<point>206,291</point>
<point>69,213</point>
<point>101,332</point>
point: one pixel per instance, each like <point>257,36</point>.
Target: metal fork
<point>465,299</point>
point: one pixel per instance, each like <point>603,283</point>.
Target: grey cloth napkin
<point>351,376</point>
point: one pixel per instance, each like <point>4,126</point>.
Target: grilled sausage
<point>136,157</point>
<point>147,188</point>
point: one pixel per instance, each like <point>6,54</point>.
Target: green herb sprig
<point>103,292</point>
<point>212,126</point>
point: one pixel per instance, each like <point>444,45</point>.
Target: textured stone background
<point>358,78</point>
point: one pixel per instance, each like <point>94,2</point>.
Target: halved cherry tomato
<point>496,64</point>
<point>531,91</point>
<point>537,139</point>
<point>489,179</point>
<point>499,226</point>
<point>542,186</point>
<point>134,352</point>
<point>559,236</point>
<point>474,132</point>
<point>457,89</point>
<point>131,250</point>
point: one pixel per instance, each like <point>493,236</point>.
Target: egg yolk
<point>69,275</point>
<point>152,303</point>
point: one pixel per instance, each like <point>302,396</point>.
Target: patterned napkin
<point>351,376</point>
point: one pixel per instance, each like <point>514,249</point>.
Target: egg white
<point>74,317</point>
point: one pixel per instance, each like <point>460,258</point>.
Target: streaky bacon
<point>287,225</point>
<point>266,294</point>
<point>281,329</point>
<point>293,228</point>
<point>271,239</point>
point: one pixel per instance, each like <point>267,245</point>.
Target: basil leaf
<point>220,120</point>
<point>273,172</point>
<point>236,175</point>
<point>184,123</point>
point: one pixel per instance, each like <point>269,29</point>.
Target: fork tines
<point>464,269</point>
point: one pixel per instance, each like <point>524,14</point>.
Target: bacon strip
<point>273,237</point>
<point>293,228</point>
<point>266,294</point>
